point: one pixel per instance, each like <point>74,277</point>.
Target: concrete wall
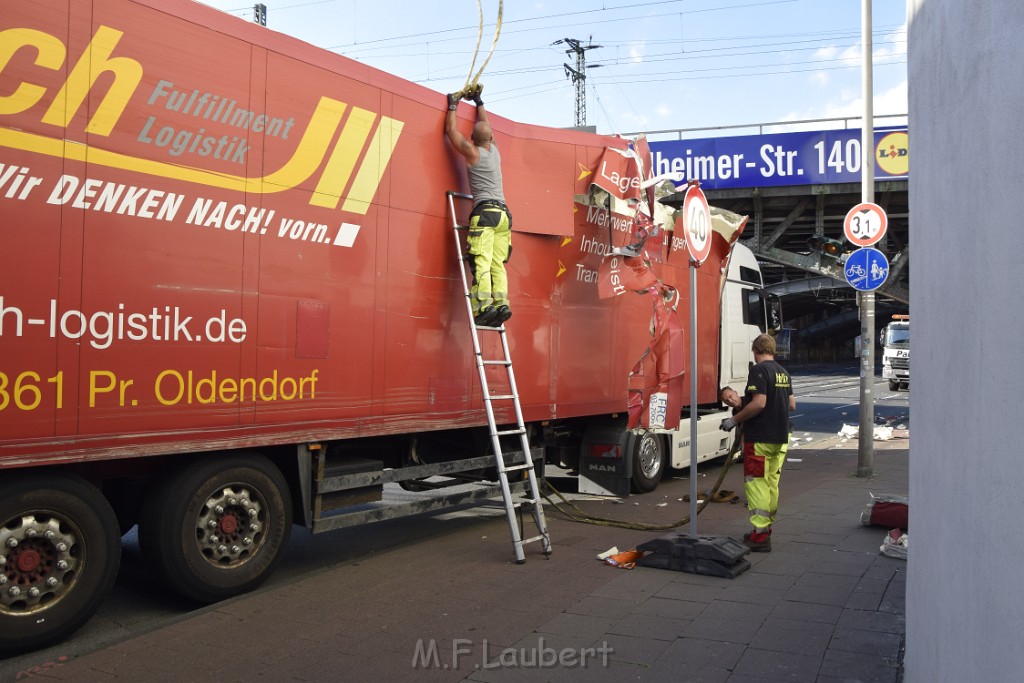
<point>965,599</point>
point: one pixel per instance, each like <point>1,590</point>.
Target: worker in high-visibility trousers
<point>490,223</point>
<point>768,401</point>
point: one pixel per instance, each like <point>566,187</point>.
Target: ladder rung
<point>531,539</point>
<point>531,501</point>
<point>500,397</point>
<point>497,362</point>
<point>515,468</point>
<point>510,432</point>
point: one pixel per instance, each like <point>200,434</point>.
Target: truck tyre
<point>59,553</point>
<point>217,528</point>
<point>648,462</point>
<point>894,385</point>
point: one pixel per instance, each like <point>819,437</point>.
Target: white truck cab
<point>895,340</point>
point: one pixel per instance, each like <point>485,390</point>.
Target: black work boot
<point>486,317</point>
<point>502,313</point>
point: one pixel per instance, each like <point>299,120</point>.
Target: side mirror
<point>774,311</point>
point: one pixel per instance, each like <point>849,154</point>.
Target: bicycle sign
<point>697,224</point>
<point>866,269</point>
<point>865,224</point>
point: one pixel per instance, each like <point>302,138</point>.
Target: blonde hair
<point>764,344</point>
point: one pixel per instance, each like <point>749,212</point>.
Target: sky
<point>653,66</point>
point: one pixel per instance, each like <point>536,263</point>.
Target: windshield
<point>897,336</point>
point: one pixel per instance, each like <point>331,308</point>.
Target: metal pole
<point>693,399</point>
<point>866,445</point>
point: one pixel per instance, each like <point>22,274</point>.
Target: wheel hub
<point>28,560</point>
<point>229,527</point>
<point>40,559</point>
<point>650,458</point>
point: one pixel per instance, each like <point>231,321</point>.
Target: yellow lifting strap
<point>471,80</point>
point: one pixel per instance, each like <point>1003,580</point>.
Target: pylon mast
<point>578,75</point>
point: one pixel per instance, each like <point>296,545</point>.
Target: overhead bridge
<point>796,186</point>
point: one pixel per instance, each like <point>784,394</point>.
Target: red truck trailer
<point>229,301</point>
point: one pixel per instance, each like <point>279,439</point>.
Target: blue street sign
<point>866,269</point>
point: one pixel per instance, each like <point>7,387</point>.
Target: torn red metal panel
<point>656,382</point>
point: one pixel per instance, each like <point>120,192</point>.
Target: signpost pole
<point>697,227</point>
<point>693,398</point>
<point>865,448</point>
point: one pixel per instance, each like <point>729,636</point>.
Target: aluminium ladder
<point>504,469</point>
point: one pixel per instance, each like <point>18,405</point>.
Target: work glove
<point>727,424</point>
<point>475,93</point>
<point>453,101</point>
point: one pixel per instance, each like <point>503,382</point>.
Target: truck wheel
<point>59,553</point>
<point>217,528</point>
<point>894,385</point>
<point>648,462</point>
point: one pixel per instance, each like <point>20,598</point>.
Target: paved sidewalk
<point>824,605</point>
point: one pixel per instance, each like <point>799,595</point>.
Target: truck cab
<point>747,311</point>
<point>895,341</point>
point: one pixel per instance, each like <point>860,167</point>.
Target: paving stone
<point>840,568</point>
<point>884,622</point>
<point>826,589</point>
<point>679,590</point>
<point>650,626</point>
<point>895,598</point>
<point>805,611</point>
<point>695,653</point>
<point>756,579</point>
<point>778,666</point>
<point>867,542</point>
<point>581,627</point>
<point>724,630</point>
<point>863,601</point>
<point>601,606</point>
<point>636,650</point>
<point>612,672</point>
<point>822,538</point>
<point>674,609</point>
<point>755,596</point>
<point>867,642</point>
<point>877,571</point>
<point>776,563</point>
<point>788,635</point>
<point>855,666</point>
<point>738,611</point>
<point>873,586</point>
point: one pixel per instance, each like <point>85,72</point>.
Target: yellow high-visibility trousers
<point>762,469</point>
<point>490,245</point>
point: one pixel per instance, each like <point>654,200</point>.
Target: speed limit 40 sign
<point>865,224</point>
<point>697,224</point>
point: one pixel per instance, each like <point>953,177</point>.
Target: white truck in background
<point>895,340</point>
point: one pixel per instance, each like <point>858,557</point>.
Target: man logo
<point>892,153</point>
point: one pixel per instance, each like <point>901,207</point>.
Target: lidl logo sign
<point>893,153</point>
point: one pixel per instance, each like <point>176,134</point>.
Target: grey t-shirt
<point>485,176</point>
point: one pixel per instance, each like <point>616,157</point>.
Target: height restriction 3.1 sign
<point>865,224</point>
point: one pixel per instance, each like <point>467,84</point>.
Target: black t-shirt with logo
<point>771,425</point>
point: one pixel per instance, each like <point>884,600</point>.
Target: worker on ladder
<point>490,223</point>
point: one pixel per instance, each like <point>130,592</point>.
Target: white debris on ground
<point>882,432</point>
<point>849,431</point>
<point>895,544</point>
